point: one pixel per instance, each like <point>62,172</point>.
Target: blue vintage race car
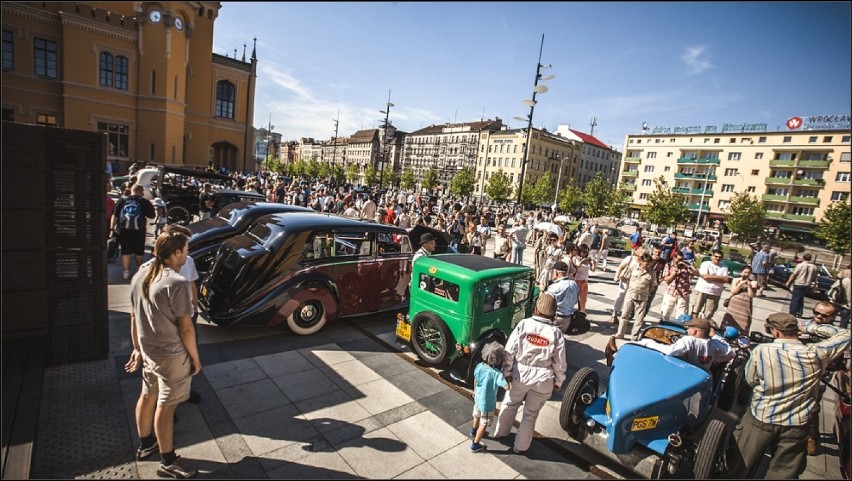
<point>660,415</point>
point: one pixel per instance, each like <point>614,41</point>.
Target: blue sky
<point>668,64</point>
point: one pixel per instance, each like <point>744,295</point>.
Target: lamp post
<point>707,174</point>
<point>537,89</point>
<point>385,141</point>
<point>558,178</point>
<point>484,167</point>
<point>268,142</point>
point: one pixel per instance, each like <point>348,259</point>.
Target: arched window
<point>106,69</point>
<point>121,73</point>
<point>225,95</point>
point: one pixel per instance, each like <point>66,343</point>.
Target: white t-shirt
<point>712,288</point>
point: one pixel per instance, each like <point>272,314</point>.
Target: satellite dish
<point>540,89</point>
<point>528,102</point>
<point>520,119</point>
<point>547,77</point>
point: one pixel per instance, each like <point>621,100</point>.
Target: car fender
<point>462,366</point>
<point>323,290</point>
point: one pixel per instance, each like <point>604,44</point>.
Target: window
<point>734,156</point>
<point>777,191</point>
<point>806,193</point>
<point>846,139</point>
<point>750,189</point>
<point>667,168</point>
<point>727,187</point>
<point>8,50</point>
<point>785,156</point>
<point>9,115</point>
<point>842,177</point>
<point>439,287</point>
<point>351,244</point>
<point>761,140</point>
<point>522,291</point>
<point>802,211</point>
<point>652,155</point>
<point>643,196</point>
<point>814,155</point>
<point>496,296</point>
<point>45,58</point>
<point>755,172</point>
<point>731,172</point>
<point>812,140</point>
<point>225,97</point>
<point>44,119</point>
<point>121,72</point>
<point>715,141</point>
<point>118,138</point>
<point>733,140</point>
<point>845,156</point>
<point>724,204</point>
<point>649,168</point>
<point>758,156</point>
<point>827,138</point>
<point>839,195</point>
<point>788,139</point>
<point>646,182</point>
<point>106,70</point>
<point>389,244</point>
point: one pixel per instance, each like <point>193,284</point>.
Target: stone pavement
<point>338,404</point>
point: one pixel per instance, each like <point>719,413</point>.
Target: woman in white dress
<point>552,255</point>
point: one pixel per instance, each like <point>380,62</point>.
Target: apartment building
<point>797,172</point>
<point>504,149</point>
<point>595,156</point>
<point>141,72</point>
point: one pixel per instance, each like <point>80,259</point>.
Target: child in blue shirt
<point>487,377</point>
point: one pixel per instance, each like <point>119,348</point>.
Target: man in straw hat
<point>535,365</point>
<point>785,375</point>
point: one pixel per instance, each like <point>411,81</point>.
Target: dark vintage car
<point>230,220</point>
<point>306,269</point>
<point>780,273</point>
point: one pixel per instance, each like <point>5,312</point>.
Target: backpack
<point>579,324</point>
<point>837,294</point>
<point>636,238</point>
<point>131,217</point>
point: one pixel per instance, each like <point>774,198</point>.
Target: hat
<point>427,237</point>
<point>784,322</point>
<point>493,353</point>
<point>560,266</point>
<point>546,304</point>
<point>699,323</point>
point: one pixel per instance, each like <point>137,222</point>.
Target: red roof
<point>589,139</point>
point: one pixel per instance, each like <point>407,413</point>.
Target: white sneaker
<point>126,275</point>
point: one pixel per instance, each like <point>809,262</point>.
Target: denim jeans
<point>844,317</point>
<point>797,302</point>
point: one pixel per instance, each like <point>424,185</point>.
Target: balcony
<point>680,190</point>
<point>805,200</point>
<point>696,177</point>
<point>801,218</point>
<point>701,192</point>
<point>694,206</point>
<point>774,215</point>
<point>702,161</point>
<point>782,163</point>
<point>773,198</point>
<point>818,182</point>
<point>778,181</point>
<point>630,174</point>
<point>814,164</point>
<point>629,186</point>
<point>632,160</point>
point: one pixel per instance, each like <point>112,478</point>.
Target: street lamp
<point>385,141</point>
<point>707,174</point>
<point>484,167</point>
<point>537,89</point>
<point>558,178</point>
<point>334,143</point>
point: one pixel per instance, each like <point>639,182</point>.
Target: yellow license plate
<point>204,291</point>
<point>403,330</point>
<point>642,424</point>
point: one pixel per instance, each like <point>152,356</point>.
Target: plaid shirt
<point>681,285</point>
<point>785,374</point>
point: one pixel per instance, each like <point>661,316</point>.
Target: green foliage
<point>665,208</point>
<point>324,171</point>
<point>430,179</point>
<point>272,164</point>
<point>542,192</point>
<point>352,173</point>
<point>463,183</point>
<point>618,204</point>
<point>337,172</point>
<point>746,216</point>
<point>570,198</point>
<point>371,177</point>
<point>499,187</point>
<point>597,196</point>
<point>835,226</point>
<point>313,168</point>
<point>408,181</point>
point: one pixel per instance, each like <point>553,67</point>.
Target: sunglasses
<point>822,314</point>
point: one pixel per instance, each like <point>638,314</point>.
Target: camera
<point>681,265</point>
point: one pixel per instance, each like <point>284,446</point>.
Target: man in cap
<point>566,291</point>
<point>535,365</point>
<point>696,347</point>
<point>427,246</point>
<point>785,375</point>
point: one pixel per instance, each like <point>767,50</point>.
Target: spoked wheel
<point>581,391</point>
<point>709,450</point>
<point>308,318</point>
<point>178,214</point>
<point>430,338</point>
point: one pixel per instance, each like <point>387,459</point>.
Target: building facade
<point>143,73</point>
<point>595,157</point>
<point>797,172</point>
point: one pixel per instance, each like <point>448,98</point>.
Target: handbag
<point>112,249</point>
<point>726,302</point>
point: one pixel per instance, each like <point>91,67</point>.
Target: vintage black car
<point>306,269</point>
<point>780,273</point>
<point>231,220</point>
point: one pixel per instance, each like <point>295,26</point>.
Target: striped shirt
<point>785,374</point>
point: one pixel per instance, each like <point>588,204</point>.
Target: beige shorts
<point>484,418</point>
<point>168,378</point>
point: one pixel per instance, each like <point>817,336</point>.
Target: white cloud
<point>696,58</point>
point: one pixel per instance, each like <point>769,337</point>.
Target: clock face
<point>178,23</point>
<point>154,16</point>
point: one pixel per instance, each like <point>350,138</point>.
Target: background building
<point>141,72</point>
<point>796,173</point>
<point>595,156</point>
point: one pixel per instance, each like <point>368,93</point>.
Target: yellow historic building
<point>141,72</point>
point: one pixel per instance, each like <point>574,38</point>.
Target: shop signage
<point>710,129</point>
<point>819,122</point>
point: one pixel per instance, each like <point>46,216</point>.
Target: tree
<point>352,173</point>
<point>337,172</point>
<point>430,179</point>
<point>597,196</point>
<point>324,171</point>
<point>463,183</point>
<point>746,216</point>
<point>618,204</point>
<point>664,207</point>
<point>499,187</point>
<point>570,198</point>
<point>371,177</point>
<point>408,181</point>
<point>312,170</point>
<point>541,192</point>
<point>835,226</point>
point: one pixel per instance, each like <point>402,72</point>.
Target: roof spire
<point>254,50</point>
<point>244,52</point>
